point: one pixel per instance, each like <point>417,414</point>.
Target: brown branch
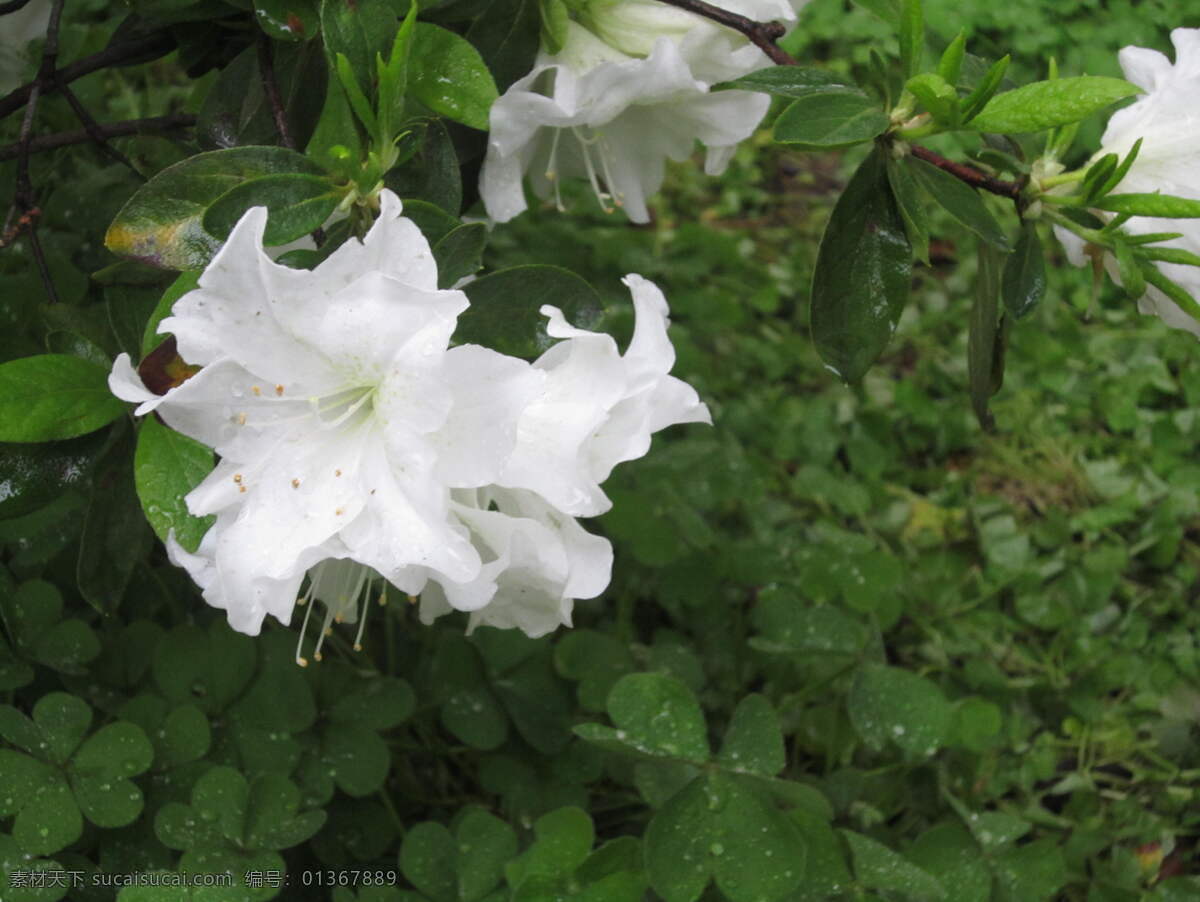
<point>92,128</point>
<point>106,131</point>
<point>762,34</point>
<point>148,46</point>
<point>969,174</point>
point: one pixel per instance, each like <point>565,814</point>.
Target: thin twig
<point>969,174</point>
<point>150,46</point>
<point>105,130</point>
<point>23,196</point>
<point>762,34</point>
<point>266,70</point>
<point>92,128</point>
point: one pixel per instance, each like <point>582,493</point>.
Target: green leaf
<point>428,857</point>
<point>1175,292</point>
<point>184,282</point>
<point>450,77</point>
<point>100,773</point>
<point>888,10</point>
<point>596,661</point>
<point>504,308</point>
<point>788,81</point>
<point>863,274</point>
<point>297,203</point>
<point>32,615</point>
<point>985,89</point>
<point>911,204</point>
<point>912,36</point>
<point>53,396</point>
<point>790,625</point>
<point>878,867</point>
<point>355,93</point>
<point>831,119</point>
<point>658,715</point>
<point>115,537</point>
<point>754,741</point>
<point>950,65</point>
<point>168,465</point>
<point>360,31</point>
<point>563,841</point>
<point>459,252</point>
<point>1034,871</point>
<point>162,223</point>
<point>1159,205</point>
<point>1132,278</point>
<point>287,20</point>
<point>506,35</point>
<point>207,669</point>
<point>555,19</point>
<point>715,828</point>
<point>36,474</point>
<point>431,174</point>
<point>184,736</point>
<point>1097,177</point>
<point>1119,173</point>
<point>1023,283</point>
<point>986,337</point>
<point>937,95</point>
<point>948,854</point>
<point>336,144</point>
<point>960,200</point>
<point>356,758</point>
<point>485,845</point>
<point>1048,104</point>
<point>887,704</point>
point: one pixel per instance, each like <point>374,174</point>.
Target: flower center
<point>592,143</point>
<point>344,588</point>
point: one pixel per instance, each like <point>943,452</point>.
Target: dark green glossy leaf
<point>960,200</point>
<point>167,466</point>
<point>162,223</point>
<point>54,396</point>
<point>504,308</point>
<point>788,81</point>
<point>1023,283</point>
<point>1159,205</point>
<point>506,36</point>
<point>449,76</point>
<point>831,119</point>
<point>459,251</point>
<point>430,173</point>
<point>115,537</point>
<point>36,474</point>
<point>1047,104</point>
<point>985,337</point>
<point>888,704</point>
<point>236,111</point>
<point>287,20</point>
<point>911,204</point>
<point>878,867</point>
<point>297,204</point>
<point>863,273</point>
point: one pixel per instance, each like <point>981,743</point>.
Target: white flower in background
<point>599,408</point>
<point>713,52</point>
<point>594,112</point>
<point>341,418</point>
<point>1167,119</point>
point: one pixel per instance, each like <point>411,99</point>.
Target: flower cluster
<point>355,443</point>
<point>628,89</point>
<point>1167,120</point>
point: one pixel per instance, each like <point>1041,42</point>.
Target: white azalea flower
<point>599,408</point>
<point>538,561</point>
<point>341,418</point>
<point>1167,119</point>
<point>596,113</point>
